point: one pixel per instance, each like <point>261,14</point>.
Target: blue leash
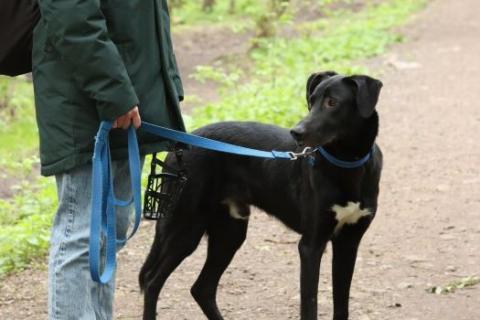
<point>103,222</point>
<point>215,145</point>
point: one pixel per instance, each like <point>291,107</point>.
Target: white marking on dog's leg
<point>350,214</point>
<point>234,210</point>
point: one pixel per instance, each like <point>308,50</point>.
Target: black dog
<point>313,196</point>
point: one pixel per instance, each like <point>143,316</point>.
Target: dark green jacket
<point>94,60</point>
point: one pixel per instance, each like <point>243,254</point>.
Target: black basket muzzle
<point>165,185</point>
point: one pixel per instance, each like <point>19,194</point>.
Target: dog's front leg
<point>311,251</point>
<point>345,247</point>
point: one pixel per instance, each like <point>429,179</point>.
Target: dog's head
<point>338,107</point>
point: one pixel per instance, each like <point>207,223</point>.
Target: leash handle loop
<point>103,216</point>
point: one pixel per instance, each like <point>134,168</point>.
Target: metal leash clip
<point>296,155</point>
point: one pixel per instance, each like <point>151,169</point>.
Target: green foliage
<point>229,80</point>
<point>191,11</point>
<point>275,93</point>
<point>264,15</point>
<point>268,21</point>
<point>25,218</point>
<point>25,225</point>
<point>17,122</point>
<point>453,286</point>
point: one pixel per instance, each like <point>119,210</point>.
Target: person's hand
<point>124,121</point>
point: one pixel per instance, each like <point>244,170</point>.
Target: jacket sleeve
<point>78,33</point>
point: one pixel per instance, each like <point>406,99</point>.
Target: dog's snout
<point>298,133</point>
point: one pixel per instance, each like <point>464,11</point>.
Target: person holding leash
<point>96,60</point>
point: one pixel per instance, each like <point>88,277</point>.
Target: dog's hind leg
<point>170,250</point>
<point>226,235</point>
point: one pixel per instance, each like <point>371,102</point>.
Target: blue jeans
<point>72,294</point>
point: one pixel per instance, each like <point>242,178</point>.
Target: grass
<point>25,225</point>
<point>271,91</point>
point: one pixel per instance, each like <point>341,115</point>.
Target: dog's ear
<point>367,92</point>
<point>314,80</point>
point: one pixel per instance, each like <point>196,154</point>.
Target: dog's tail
<point>146,270</point>
<point>142,277</point>
<point>151,263</point>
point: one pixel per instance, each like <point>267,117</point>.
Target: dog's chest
<point>349,214</point>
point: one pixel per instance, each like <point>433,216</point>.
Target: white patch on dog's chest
<point>350,214</point>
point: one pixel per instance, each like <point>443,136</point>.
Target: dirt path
<point>427,231</point>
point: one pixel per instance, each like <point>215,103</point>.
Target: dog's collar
<point>337,162</point>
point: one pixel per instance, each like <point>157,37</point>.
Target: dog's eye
<point>330,102</point>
